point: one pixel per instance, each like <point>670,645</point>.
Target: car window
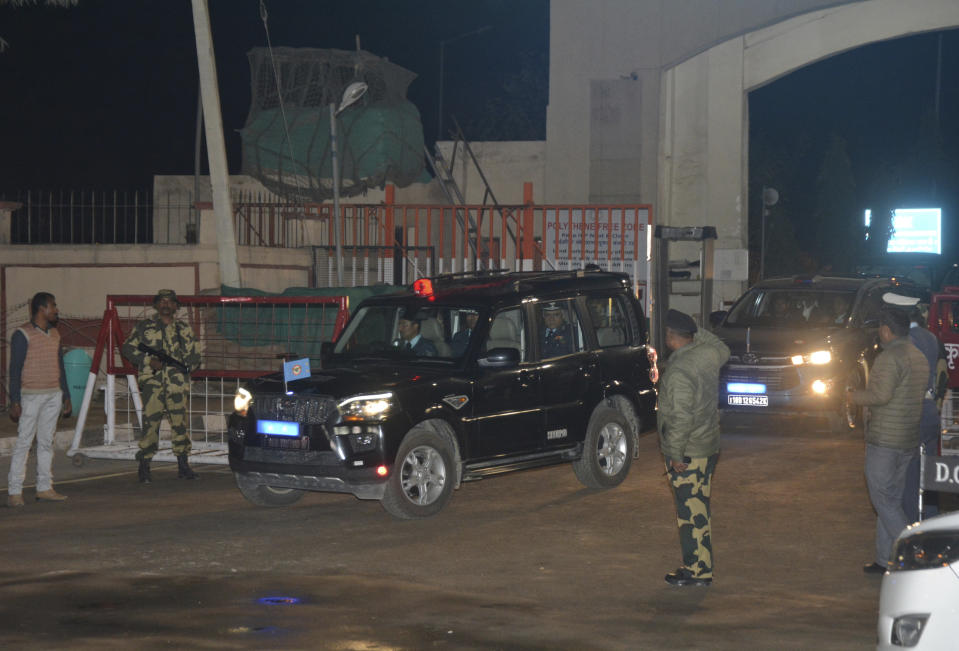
<point>412,332</point>
<point>949,313</point>
<point>871,306</point>
<point>802,307</point>
<point>508,330</point>
<point>559,328</point>
<point>609,319</point>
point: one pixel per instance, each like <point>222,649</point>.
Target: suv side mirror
<point>499,358</point>
<point>715,318</point>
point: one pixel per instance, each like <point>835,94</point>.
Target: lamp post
<point>352,93</point>
<point>439,114</point>
<point>770,197</point>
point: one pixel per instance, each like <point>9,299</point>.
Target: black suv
<point>460,377</point>
<point>797,343</point>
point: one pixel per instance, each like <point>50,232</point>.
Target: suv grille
<point>776,378</point>
<point>309,410</point>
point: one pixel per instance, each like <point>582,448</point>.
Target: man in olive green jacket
<point>688,420</point>
<point>894,394</point>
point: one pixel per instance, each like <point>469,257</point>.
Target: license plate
<point>748,401</point>
<point>278,428</point>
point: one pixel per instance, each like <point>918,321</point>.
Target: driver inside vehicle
<point>410,338</point>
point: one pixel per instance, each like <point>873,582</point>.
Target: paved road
<point>529,560</point>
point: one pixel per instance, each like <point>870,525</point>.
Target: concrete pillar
<point>6,219</point>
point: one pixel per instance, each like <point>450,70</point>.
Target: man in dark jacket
<point>688,420</point>
<point>894,394</point>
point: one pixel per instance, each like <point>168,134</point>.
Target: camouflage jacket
<point>688,413</point>
<point>894,394</point>
<point>176,340</point>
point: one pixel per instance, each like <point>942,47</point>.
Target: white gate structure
<point>238,337</point>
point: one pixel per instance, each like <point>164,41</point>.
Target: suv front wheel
<point>607,450</point>
<point>422,480</point>
<point>263,495</point>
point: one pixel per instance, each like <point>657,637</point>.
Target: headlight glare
<point>373,407</point>
<point>241,401</point>
<point>817,358</point>
<point>820,357</point>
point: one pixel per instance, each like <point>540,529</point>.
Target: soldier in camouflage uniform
<point>688,421</point>
<point>164,388</point>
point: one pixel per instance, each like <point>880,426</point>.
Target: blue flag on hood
<point>297,369</point>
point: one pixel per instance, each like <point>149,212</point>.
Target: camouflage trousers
<point>158,401</point>
<point>691,491</point>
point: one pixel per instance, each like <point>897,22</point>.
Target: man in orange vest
<point>38,395</point>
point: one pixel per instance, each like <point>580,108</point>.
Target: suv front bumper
<point>305,470</point>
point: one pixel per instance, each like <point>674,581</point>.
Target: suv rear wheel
<point>263,495</point>
<point>422,479</point>
<point>607,450</point>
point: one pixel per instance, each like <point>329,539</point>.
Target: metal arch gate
<point>239,337</point>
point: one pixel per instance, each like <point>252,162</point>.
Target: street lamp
<point>439,115</point>
<point>770,197</point>
<point>352,93</point>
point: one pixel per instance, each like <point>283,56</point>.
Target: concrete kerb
<point>61,441</point>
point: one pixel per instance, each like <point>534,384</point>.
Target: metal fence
<point>88,216</point>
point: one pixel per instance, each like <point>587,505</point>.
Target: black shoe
<point>683,576</point>
<point>143,472</point>
<point>183,468</point>
<point>874,568</point>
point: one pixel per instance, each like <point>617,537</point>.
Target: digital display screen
<point>915,230</point>
<point>277,428</point>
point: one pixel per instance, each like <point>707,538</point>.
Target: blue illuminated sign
<point>745,387</point>
<point>277,428</point>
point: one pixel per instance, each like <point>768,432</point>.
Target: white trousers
<point>38,418</point>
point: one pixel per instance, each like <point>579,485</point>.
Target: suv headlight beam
<point>816,358</point>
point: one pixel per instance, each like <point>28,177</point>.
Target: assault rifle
<point>163,357</point>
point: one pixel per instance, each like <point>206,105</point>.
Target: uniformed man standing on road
<point>688,421</point>
<point>164,387</point>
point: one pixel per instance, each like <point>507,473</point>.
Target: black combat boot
<point>184,471</point>
<point>143,472</point>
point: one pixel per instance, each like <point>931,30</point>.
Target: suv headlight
<point>925,551</point>
<point>817,358</point>
<point>242,400</point>
<point>371,407</point>
<point>907,630</point>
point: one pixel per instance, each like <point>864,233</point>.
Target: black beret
<point>680,322</point>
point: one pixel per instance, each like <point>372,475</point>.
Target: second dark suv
<point>457,378</point>
<point>797,343</point>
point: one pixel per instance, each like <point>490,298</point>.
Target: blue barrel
<point>76,363</point>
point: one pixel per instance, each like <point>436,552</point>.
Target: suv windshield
<point>413,332</point>
<point>792,308</point>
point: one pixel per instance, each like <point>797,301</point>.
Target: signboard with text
<point>616,238</point>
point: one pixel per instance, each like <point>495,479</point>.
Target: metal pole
<point>762,244</point>
<point>337,234</point>
<point>216,147</point>
<point>439,112</point>
<point>197,150</point>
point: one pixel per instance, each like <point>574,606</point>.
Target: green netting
<point>305,326</point>
<point>379,138</point>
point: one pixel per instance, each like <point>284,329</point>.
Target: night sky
<point>103,95</point>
